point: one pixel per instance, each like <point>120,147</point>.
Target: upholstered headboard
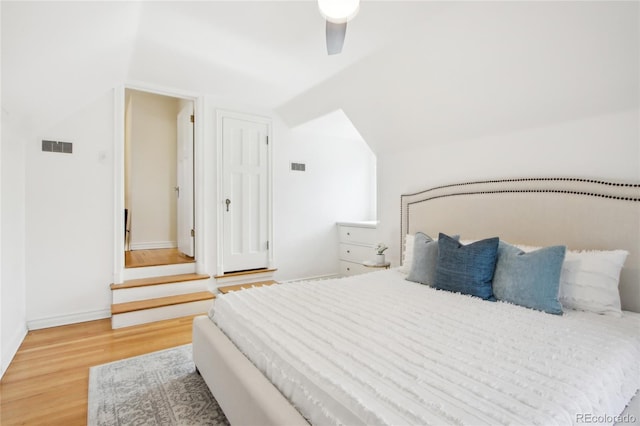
<point>578,213</point>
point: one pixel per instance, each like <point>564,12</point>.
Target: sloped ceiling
<point>486,68</point>
<point>334,124</point>
<point>411,72</point>
<point>57,56</point>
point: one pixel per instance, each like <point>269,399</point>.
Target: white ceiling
<point>58,56</point>
<point>335,123</point>
<point>477,69</point>
<point>410,73</point>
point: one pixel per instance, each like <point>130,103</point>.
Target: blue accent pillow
<point>466,269</point>
<point>425,259</point>
<point>529,279</point>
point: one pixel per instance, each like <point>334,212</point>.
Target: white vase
<point>380,259</point>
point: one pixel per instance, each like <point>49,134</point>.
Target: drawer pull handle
<point>348,233</point>
<point>348,251</point>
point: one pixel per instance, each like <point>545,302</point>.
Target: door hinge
<point>193,118</point>
<point>267,244</point>
<point>267,140</point>
<point>193,233</point>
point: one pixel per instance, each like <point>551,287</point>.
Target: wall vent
<point>298,167</point>
<point>55,146</point>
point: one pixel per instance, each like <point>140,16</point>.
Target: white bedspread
<point>376,349</point>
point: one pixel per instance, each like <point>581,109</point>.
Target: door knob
<point>227,202</point>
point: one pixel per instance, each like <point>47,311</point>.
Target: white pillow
<point>589,281</point>
<point>407,256</point>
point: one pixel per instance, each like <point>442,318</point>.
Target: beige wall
<point>151,169</point>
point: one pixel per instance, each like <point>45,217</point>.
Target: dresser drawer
<point>355,253</point>
<point>352,268</point>
<point>355,234</point>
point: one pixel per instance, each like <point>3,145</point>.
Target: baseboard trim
<point>239,278</point>
<point>12,348</point>
<point>58,320</point>
<point>158,271</point>
<point>145,316</point>
<point>154,245</point>
<point>314,278</point>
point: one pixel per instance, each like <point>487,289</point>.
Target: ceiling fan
<point>337,13</point>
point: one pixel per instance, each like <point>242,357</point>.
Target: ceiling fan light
<point>339,11</point>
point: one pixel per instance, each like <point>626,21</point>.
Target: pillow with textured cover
<point>589,281</point>
<point>425,259</point>
<point>529,279</point>
<point>466,269</point>
<point>407,256</point>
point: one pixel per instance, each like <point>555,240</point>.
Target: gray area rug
<point>160,388</point>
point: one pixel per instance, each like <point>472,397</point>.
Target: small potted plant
<point>380,248</point>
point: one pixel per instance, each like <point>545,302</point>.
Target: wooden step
<point>142,282</point>
<point>157,271</point>
<point>121,308</point>
<point>244,273</point>
<point>226,289</point>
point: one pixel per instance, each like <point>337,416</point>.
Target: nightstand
<point>357,242</point>
<point>372,264</point>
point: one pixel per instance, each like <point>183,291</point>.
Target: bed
<point>378,349</point>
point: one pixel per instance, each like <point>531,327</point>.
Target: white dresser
<point>357,244</point>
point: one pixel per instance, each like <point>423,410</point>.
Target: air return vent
<point>298,167</point>
<point>54,146</point>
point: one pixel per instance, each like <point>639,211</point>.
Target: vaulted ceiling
<point>410,73</point>
<point>56,56</point>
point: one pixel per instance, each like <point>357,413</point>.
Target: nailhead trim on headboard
<point>599,182</point>
<point>506,181</point>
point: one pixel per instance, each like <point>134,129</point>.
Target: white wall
<point>153,205</point>
<point>2,344</point>
<point>69,208</point>
<point>489,89</point>
<point>13,327</point>
<point>606,146</point>
<point>494,89</point>
<point>338,185</point>
<point>69,219</point>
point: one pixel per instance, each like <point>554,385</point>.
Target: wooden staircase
<point>145,300</point>
<point>227,288</point>
<point>241,277</point>
<point>235,281</point>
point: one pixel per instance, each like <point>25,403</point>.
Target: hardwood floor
<point>155,257</point>
<point>227,288</point>
<point>47,382</point>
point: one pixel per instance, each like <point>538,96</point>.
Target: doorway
<point>245,192</point>
<point>158,179</point>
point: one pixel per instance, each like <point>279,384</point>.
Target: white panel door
<point>246,214</point>
<point>185,181</point>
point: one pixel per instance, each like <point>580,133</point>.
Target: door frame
<point>185,239</point>
<point>220,196</point>
<point>119,169</point>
